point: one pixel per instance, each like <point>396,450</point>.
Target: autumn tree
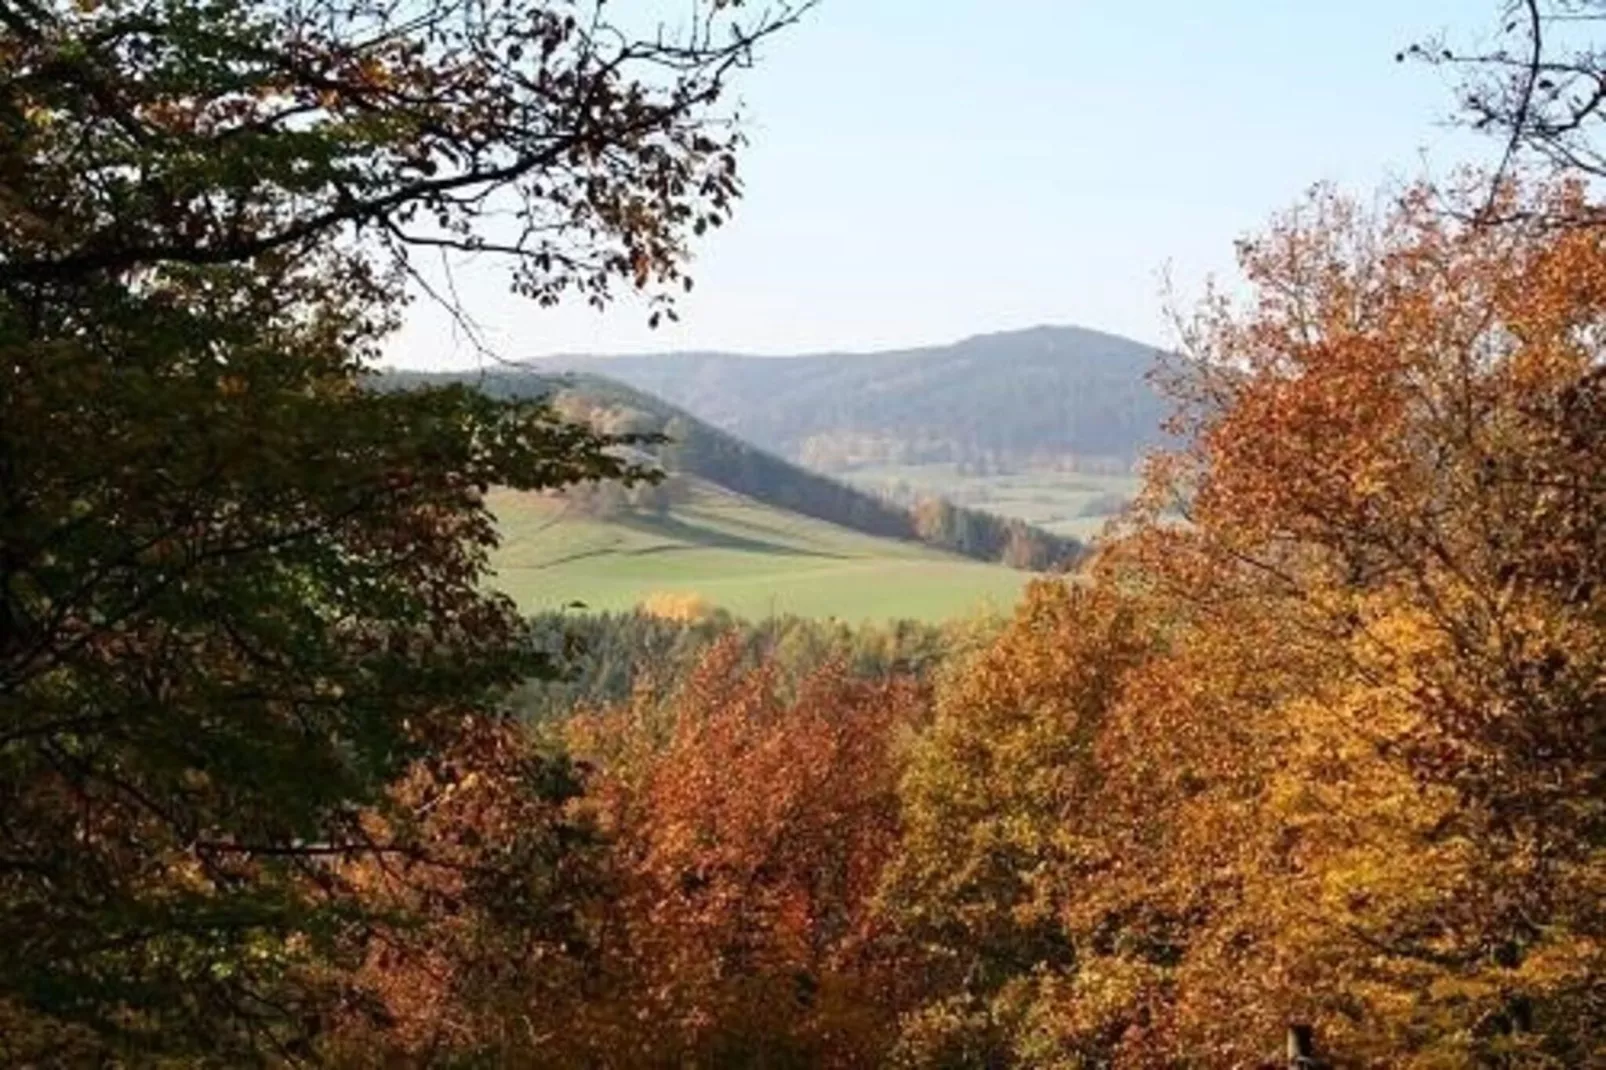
<point>1399,459</point>
<point>240,593</point>
<point>1352,773</point>
<point>146,132</point>
<point>994,800</point>
<point>483,948</point>
<point>750,830</point>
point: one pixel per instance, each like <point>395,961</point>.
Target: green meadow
<point>740,555</point>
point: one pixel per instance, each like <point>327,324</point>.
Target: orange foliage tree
<point>749,828</point>
<point>1353,773</point>
<point>482,912</point>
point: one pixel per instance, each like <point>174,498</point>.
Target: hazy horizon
<point>865,351</point>
<point>958,174</point>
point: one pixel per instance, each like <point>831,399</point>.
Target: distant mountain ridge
<point>1042,392</point>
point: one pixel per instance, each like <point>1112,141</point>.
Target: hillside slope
<point>700,451</point>
<point>1044,392</point>
<point>734,553</point>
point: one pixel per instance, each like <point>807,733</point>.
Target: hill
<point>738,554</point>
<point>696,450</point>
<point>1049,393</point>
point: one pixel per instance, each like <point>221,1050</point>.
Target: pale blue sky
<point>923,170</point>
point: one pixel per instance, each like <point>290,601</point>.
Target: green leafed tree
<point>240,594</point>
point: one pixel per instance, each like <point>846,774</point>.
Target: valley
<point>1070,503</point>
<point>913,504</point>
<point>856,487</point>
<point>381,687</point>
<point>1046,426</point>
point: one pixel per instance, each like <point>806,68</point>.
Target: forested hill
<point>699,450</point>
<point>1044,392</point>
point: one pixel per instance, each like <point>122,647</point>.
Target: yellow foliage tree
<point>989,858</point>
<point>677,605</point>
<point>1345,767</point>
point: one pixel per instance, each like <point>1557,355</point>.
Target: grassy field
<point>742,556</point>
<point>1066,503</point>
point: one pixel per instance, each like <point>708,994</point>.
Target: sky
<point>925,170</point>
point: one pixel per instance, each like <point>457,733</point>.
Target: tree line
<point>607,657</point>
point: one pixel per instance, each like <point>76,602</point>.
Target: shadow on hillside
<point>763,528</point>
<point>681,530</point>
